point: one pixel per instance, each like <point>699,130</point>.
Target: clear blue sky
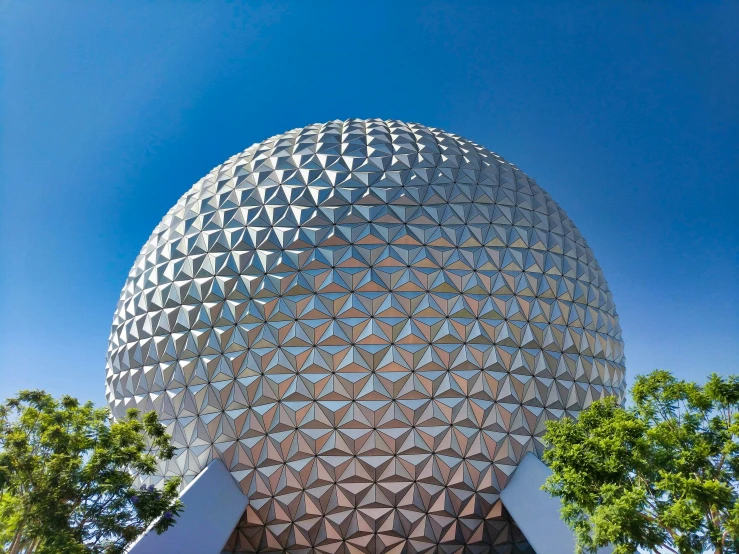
<point>626,112</point>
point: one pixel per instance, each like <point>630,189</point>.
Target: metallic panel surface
<point>369,322</point>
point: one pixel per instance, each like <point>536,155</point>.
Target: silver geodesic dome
<point>370,323</point>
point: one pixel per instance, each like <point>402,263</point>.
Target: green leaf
<point>68,474</point>
<point>659,476</point>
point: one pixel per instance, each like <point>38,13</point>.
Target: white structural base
<point>535,512</point>
<point>214,503</point>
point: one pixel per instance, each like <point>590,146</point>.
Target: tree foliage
<point>67,475</point>
<point>659,476</point>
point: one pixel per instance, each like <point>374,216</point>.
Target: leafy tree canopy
<point>658,476</point>
<point>67,475</point>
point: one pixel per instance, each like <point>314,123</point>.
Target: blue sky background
<point>626,112</point>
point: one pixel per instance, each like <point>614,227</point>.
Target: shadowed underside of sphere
<point>370,323</point>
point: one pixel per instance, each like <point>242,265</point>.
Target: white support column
<point>535,512</point>
<point>213,505</point>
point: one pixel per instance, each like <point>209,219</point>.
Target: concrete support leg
<point>535,512</point>
<point>213,505</point>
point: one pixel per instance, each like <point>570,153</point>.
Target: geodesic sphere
<point>370,323</point>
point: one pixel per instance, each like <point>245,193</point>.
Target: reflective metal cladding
<point>369,322</point>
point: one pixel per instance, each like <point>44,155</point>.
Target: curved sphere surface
<point>370,323</point>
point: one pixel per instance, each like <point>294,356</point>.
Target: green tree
<point>67,475</point>
<point>657,476</point>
